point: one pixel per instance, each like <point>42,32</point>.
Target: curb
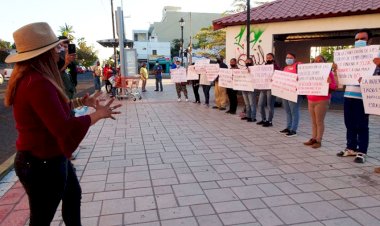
<point>6,166</point>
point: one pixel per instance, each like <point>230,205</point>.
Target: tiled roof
<point>287,10</point>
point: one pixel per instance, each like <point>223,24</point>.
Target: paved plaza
<point>170,163</point>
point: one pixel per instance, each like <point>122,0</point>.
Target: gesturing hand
<point>106,111</point>
<point>90,100</point>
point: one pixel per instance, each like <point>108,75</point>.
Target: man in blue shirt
<point>158,73</point>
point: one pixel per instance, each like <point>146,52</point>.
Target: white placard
<point>203,80</point>
<point>370,87</point>
<point>191,73</point>
<point>242,80</point>
<point>262,76</point>
<point>355,63</point>
<point>200,65</point>
<point>212,71</point>
<point>225,78</point>
<point>312,79</point>
<point>178,75</point>
<point>284,85</point>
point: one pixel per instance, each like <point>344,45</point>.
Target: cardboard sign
<point>284,85</point>
<point>212,71</point>
<point>200,65</point>
<point>178,75</point>
<point>191,73</point>
<point>225,78</point>
<point>370,87</point>
<point>312,79</point>
<point>242,80</point>
<point>262,76</point>
<point>355,63</point>
<point>203,80</point>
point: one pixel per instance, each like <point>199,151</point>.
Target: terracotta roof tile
<point>285,10</point>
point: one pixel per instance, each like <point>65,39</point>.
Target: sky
<point>92,19</point>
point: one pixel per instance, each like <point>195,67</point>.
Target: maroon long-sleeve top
<point>43,120</point>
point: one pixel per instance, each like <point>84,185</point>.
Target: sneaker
<point>215,107</point>
<point>316,145</point>
<point>179,99</point>
<point>249,120</point>
<point>285,131</point>
<point>291,134</point>
<point>222,108</point>
<point>262,122</point>
<point>187,100</point>
<point>267,124</point>
<point>346,152</point>
<point>360,158</point>
<point>310,142</point>
<point>156,90</point>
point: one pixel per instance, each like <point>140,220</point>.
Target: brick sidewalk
<point>168,163</point>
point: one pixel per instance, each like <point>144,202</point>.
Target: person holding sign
<point>292,108</point>
<point>220,92</point>
<point>180,86</point>
<point>232,94</point>
<point>318,106</point>
<point>266,98</point>
<point>249,99</point>
<point>355,118</point>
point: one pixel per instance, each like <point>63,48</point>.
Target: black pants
<point>46,183</point>
<point>159,82</point>
<point>195,84</point>
<point>232,96</point>
<point>206,91</point>
<point>356,121</point>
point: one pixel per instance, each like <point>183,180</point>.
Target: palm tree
<point>67,31</point>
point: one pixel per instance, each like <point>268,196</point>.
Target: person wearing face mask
<point>232,94</point>
<point>318,106</point>
<point>266,98</point>
<point>249,99</point>
<point>355,118</point>
<point>181,86</point>
<point>292,109</point>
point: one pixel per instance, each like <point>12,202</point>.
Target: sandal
<point>346,152</point>
<point>310,142</point>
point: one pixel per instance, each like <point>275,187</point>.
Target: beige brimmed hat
<point>32,40</point>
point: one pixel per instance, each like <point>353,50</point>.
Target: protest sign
<point>242,80</point>
<point>191,73</point>
<point>284,85</point>
<point>203,80</point>
<point>370,87</point>
<point>200,65</point>
<point>355,63</point>
<point>312,79</point>
<point>178,75</point>
<point>212,71</point>
<point>225,78</point>
<point>261,75</point>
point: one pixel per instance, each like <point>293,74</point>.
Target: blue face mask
<point>289,61</point>
<point>360,43</point>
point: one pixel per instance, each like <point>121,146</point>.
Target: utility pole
<point>114,38</point>
<point>248,27</point>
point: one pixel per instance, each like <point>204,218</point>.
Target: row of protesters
<point>48,133</point>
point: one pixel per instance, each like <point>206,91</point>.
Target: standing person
<point>355,118</point>
<point>157,69</point>
<point>232,94</point>
<point>266,98</point>
<point>292,109</point>
<point>220,92</point>
<point>65,59</point>
<point>72,65</point>
<point>144,76</point>
<point>97,73</point>
<point>107,73</point>
<point>195,85</point>
<point>180,86</point>
<point>318,106</point>
<point>47,132</point>
<point>249,99</point>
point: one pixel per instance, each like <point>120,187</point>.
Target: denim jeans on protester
<point>266,99</point>
<point>206,92</point>
<point>356,122</point>
<point>46,183</point>
<point>159,82</point>
<point>97,83</point>
<point>250,103</point>
<point>292,113</point>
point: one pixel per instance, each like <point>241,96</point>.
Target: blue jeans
<point>97,83</point>
<point>47,182</point>
<point>292,113</point>
<point>159,82</point>
<point>356,122</point>
<point>250,103</point>
<point>267,99</point>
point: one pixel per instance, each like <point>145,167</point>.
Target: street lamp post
<point>181,23</point>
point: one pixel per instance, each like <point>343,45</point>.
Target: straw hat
<point>32,40</point>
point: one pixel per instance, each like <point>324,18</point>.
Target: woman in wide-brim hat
<point>47,132</point>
